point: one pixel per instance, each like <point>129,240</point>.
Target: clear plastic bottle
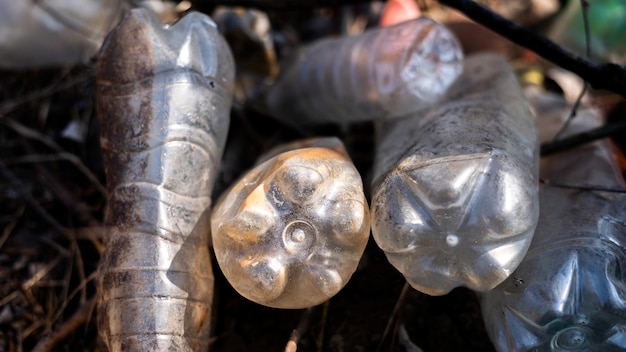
<point>382,73</point>
<point>163,100</point>
<point>54,32</point>
<point>454,193</point>
<point>291,231</point>
<point>569,293</point>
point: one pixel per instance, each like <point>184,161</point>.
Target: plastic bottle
<point>291,231</point>
<point>54,32</point>
<point>163,101</point>
<point>454,193</point>
<point>569,293</point>
<point>381,73</point>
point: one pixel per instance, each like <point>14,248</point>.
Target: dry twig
<point>597,188</point>
<point>80,317</point>
<point>32,134</point>
<point>583,138</point>
<point>296,334</point>
<point>393,318</point>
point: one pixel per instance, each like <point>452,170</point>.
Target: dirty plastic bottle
<point>381,73</point>
<point>54,32</point>
<point>454,193</point>
<point>291,231</point>
<point>163,100</point>
<point>569,293</point>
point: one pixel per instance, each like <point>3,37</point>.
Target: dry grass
<point>52,198</point>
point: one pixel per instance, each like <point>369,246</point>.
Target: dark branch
<point>584,137</point>
<point>608,76</point>
<point>597,188</point>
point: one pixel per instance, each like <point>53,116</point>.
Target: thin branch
<point>296,334</point>
<point>596,188</point>
<point>608,76</point>
<point>583,138</point>
<point>405,340</point>
<point>78,289</point>
<point>16,184</point>
<point>322,324</point>
<point>394,314</point>
<point>77,206</point>
<point>8,229</point>
<point>572,113</point>
<point>584,5</point>
<point>27,132</point>
<point>59,84</point>
<point>79,318</point>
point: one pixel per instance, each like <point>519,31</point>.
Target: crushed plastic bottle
<point>569,293</point>
<point>163,100</point>
<point>381,73</point>
<point>290,233</point>
<point>454,197</point>
<point>54,32</point>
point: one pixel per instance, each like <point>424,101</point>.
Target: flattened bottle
<point>164,96</point>
<point>291,231</point>
<point>383,73</point>
<point>569,293</point>
<point>454,197</point>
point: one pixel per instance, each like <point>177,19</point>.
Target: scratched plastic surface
<point>454,197</point>
<point>382,73</point>
<point>291,232</point>
<point>54,32</point>
<point>569,293</point>
<point>164,95</point>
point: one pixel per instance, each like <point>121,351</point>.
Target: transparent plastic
<point>54,32</point>
<point>382,73</point>
<point>454,197</point>
<point>163,103</point>
<point>291,232</point>
<point>569,293</point>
